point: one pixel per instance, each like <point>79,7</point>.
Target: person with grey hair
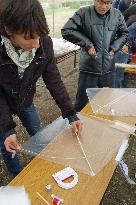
<point>100,31</point>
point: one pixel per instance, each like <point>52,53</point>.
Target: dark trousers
<point>87,80</point>
<point>30,120</point>
<point>120,80</point>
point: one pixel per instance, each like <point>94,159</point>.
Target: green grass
<point>59,10</point>
<point>61,15</point>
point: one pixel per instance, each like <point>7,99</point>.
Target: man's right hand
<point>11,143</point>
<point>92,51</point>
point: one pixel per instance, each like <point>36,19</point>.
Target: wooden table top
<point>89,190</point>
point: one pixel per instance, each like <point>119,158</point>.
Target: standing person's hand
<point>124,49</point>
<point>11,143</point>
<point>77,127</point>
<point>92,51</point>
<point>112,52</point>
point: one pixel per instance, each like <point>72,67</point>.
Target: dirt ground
<point>118,191</point>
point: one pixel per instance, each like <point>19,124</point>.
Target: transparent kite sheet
<point>113,101</point>
<point>45,136</point>
<point>100,139</point>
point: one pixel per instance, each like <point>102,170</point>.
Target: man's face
<point>102,6</point>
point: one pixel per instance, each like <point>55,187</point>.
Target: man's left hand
<point>112,52</point>
<point>124,49</point>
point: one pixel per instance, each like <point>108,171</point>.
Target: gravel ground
<point>118,191</point>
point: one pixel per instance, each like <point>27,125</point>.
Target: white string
<point>92,173</point>
<point>42,198</point>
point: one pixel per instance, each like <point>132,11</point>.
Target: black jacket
<point>16,94</point>
<point>87,28</point>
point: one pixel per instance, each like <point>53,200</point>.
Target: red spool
<point>56,201</point>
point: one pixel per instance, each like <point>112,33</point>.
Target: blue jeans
<point>119,80</point>
<point>30,120</point>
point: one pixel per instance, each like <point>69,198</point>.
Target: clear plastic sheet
<point>113,101</point>
<point>39,141</point>
<point>100,139</point>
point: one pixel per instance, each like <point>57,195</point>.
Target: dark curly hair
<point>22,16</point>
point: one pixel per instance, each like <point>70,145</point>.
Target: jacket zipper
<point>103,44</point>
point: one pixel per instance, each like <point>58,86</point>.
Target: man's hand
<point>112,52</point>
<point>11,143</point>
<point>92,51</point>
<point>124,49</point>
<point>77,127</point>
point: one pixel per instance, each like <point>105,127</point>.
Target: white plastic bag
<point>11,195</point>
